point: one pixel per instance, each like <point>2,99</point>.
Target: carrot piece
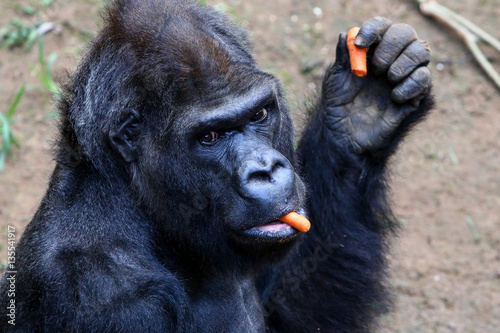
<point>357,55</point>
<point>297,221</point>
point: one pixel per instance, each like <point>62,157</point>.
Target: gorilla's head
<point>169,99</point>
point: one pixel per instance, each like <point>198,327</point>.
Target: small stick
<point>469,32</point>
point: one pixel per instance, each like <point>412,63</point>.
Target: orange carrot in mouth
<point>357,55</point>
<point>297,221</point>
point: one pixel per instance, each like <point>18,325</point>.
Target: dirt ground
<point>447,173</point>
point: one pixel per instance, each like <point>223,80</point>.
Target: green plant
<point>7,137</point>
<point>44,73</point>
<point>19,33</point>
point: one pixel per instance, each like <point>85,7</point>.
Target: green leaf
<point>50,62</point>
<point>16,22</point>
<point>41,59</point>
<point>6,133</point>
<point>4,30</point>
<point>46,3</point>
<point>2,160</point>
<point>11,39</point>
<point>14,141</point>
<point>53,87</point>
<point>27,9</point>
<point>453,156</point>
<point>472,227</point>
<point>16,101</point>
<point>30,39</point>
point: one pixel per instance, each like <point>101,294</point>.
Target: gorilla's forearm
<point>338,180</point>
<point>345,246</point>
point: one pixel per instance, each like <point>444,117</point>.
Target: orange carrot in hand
<point>297,221</point>
<point>357,55</point>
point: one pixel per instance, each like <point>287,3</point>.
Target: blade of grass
<point>41,59</point>
<point>45,72</point>
<point>472,227</point>
<point>30,39</point>
<point>453,156</point>
<point>5,130</point>
<point>6,134</point>
<point>51,59</point>
<point>2,160</point>
<point>15,103</point>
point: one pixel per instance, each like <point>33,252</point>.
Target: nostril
<point>261,175</point>
<point>276,166</point>
<point>266,174</point>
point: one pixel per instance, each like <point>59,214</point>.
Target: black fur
<point>134,238</point>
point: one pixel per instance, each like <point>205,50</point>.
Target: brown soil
<point>446,173</point>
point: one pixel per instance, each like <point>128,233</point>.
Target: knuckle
<point>395,75</point>
<point>425,45</point>
<point>422,75</point>
<point>369,28</point>
<point>398,95</point>
<point>409,59</point>
<point>401,68</point>
<point>403,27</point>
<point>412,87</point>
<point>375,27</point>
<point>382,58</point>
<point>402,31</point>
<point>422,51</point>
<point>417,53</point>
<point>382,20</point>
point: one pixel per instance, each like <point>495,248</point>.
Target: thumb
<point>342,54</point>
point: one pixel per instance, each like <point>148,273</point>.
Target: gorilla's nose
<point>266,176</point>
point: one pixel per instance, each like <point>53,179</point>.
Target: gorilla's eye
<point>259,115</point>
<point>209,137</point>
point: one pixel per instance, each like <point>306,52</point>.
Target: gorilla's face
<point>244,145</point>
<point>227,163</point>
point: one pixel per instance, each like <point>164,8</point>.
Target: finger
<point>339,85</point>
<point>417,83</point>
<point>342,54</point>
<point>371,31</point>
<point>416,54</point>
<point>394,41</point>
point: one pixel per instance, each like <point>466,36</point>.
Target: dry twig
<point>470,33</point>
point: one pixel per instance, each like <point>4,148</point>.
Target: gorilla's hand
<point>368,109</point>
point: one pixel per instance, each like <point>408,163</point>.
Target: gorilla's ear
<point>124,138</point>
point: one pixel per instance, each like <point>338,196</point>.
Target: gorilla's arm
<point>334,282</point>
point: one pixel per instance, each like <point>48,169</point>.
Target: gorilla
<point>176,158</point>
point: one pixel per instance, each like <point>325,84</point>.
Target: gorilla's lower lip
<point>274,229</point>
<point>273,226</point>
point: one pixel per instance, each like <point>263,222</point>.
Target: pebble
<point>317,11</point>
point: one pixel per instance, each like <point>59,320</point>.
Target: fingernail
<point>359,40</point>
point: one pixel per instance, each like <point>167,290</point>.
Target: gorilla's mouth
<point>274,229</point>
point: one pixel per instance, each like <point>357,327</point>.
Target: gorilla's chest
<point>228,307</point>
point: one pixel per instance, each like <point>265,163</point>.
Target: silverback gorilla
<point>175,159</point>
